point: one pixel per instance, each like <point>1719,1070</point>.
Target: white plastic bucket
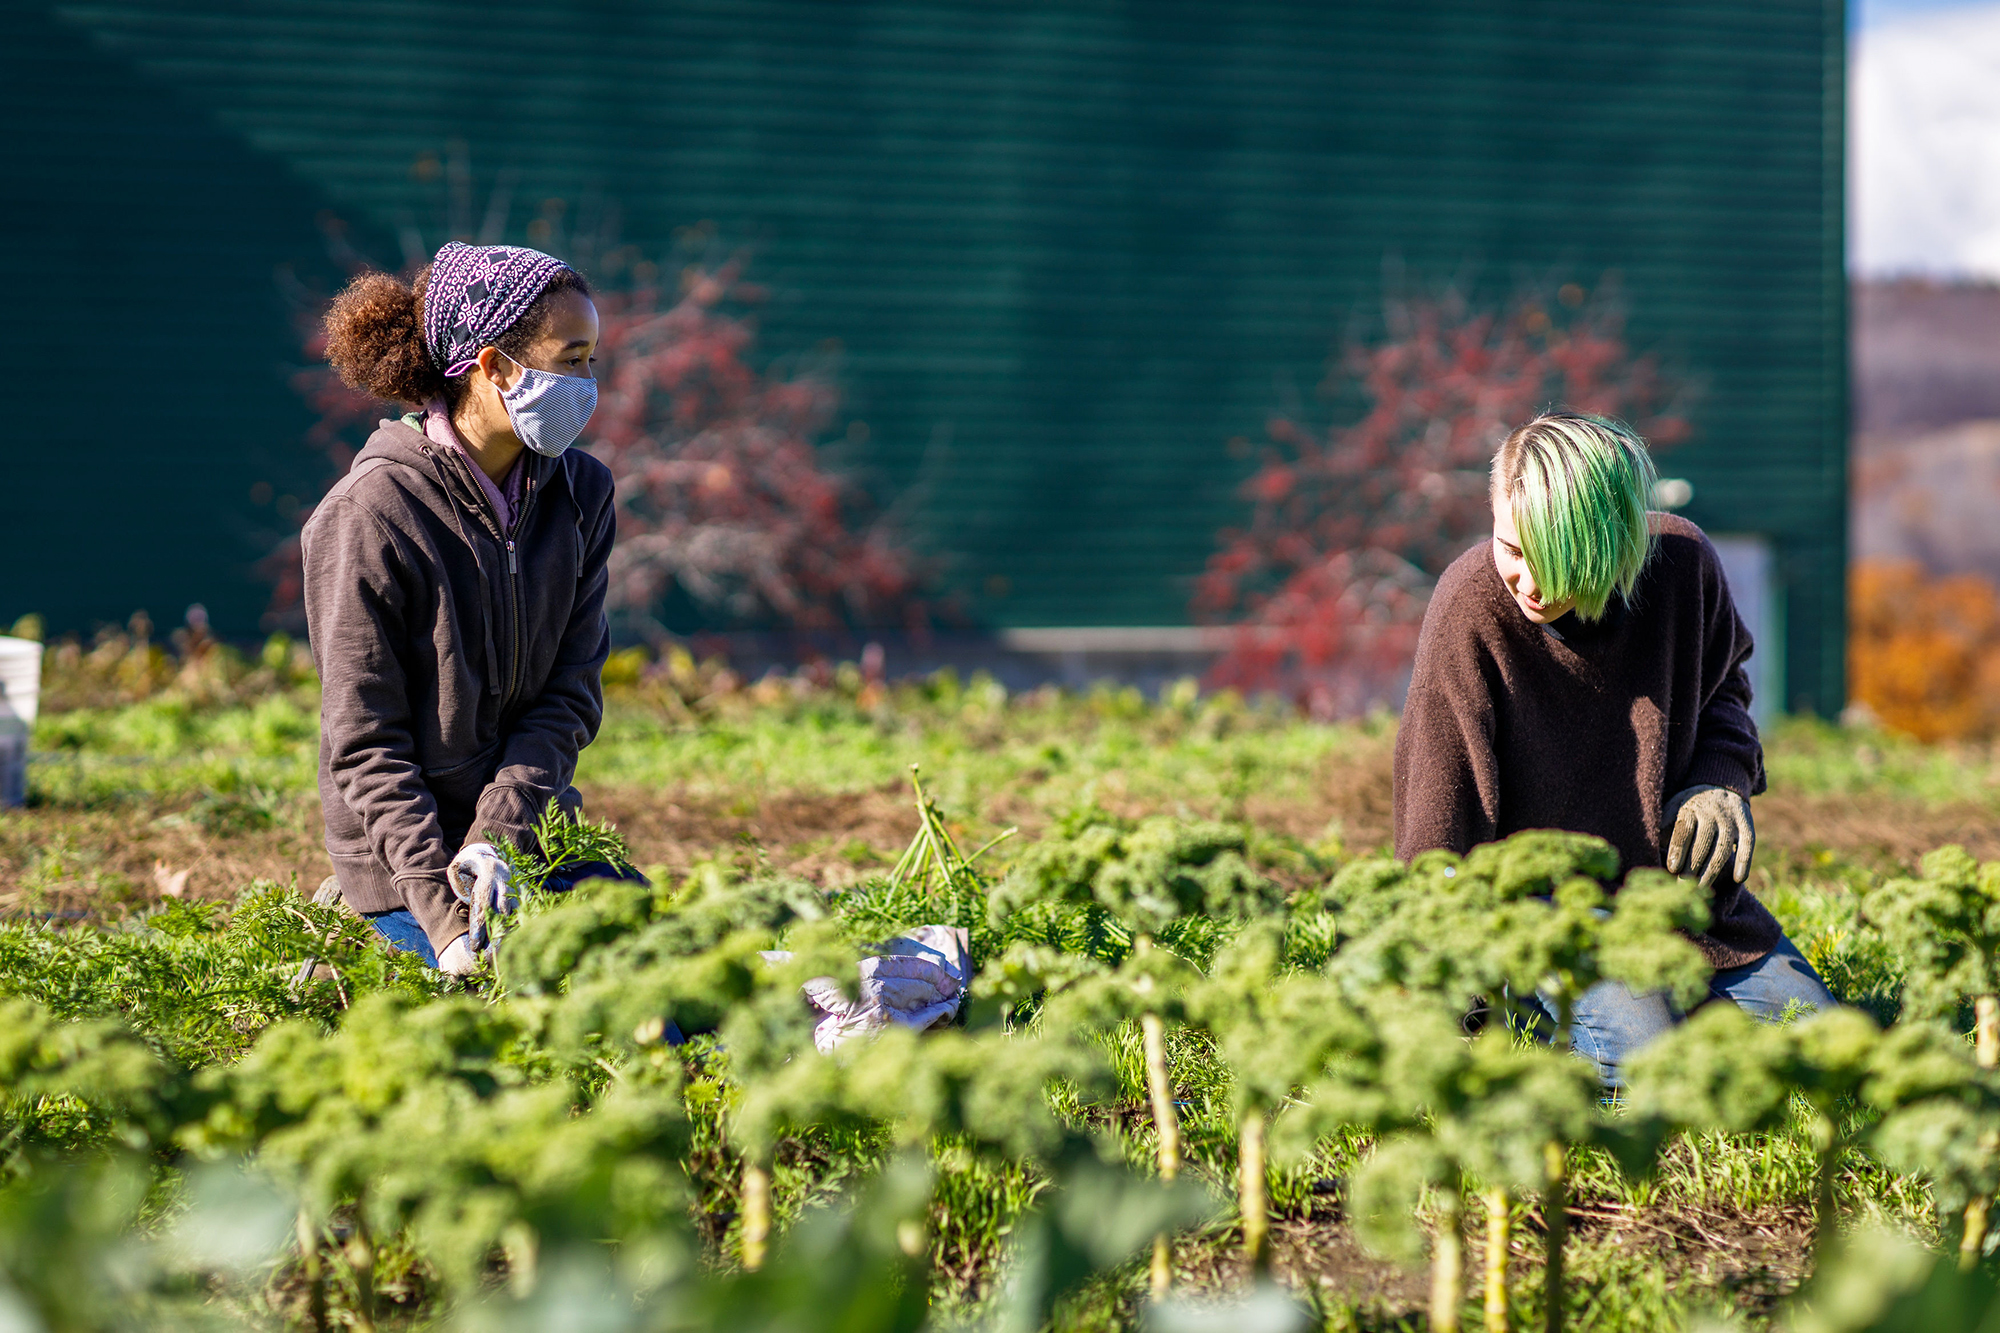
<point>20,697</point>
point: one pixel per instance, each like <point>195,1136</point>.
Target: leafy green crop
<point>1944,927</point>
<point>486,1157</point>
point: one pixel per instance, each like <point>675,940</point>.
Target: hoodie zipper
<point>516,602</point>
<point>514,607</point>
<point>516,611</point>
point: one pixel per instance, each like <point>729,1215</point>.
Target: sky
<point>1924,138</point>
<point>1865,14</point>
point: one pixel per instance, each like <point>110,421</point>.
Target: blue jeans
<point>400,928</point>
<point>1611,1022</point>
<point>399,925</point>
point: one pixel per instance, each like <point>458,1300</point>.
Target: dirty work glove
<point>1711,826</point>
<point>458,959</point>
<point>481,880</point>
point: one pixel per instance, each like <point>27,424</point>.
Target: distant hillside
<point>1926,423</point>
<point>1933,498</point>
<point>1925,355</point>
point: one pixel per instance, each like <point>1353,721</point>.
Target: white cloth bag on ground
<point>20,699</point>
<point>916,981</point>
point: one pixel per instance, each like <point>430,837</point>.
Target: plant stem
<point>1160,1272</point>
<point>315,1273</point>
<point>1826,1149</point>
<point>1154,1034</point>
<point>756,1214</point>
<point>1251,1200</point>
<point>1164,1120</point>
<point>1499,1241</point>
<point>934,838</point>
<point>997,839</point>
<point>1985,1053</point>
<point>1972,1245</point>
<point>361,1262</point>
<point>1447,1262</point>
<point>1555,1191</point>
<point>1555,1214</point>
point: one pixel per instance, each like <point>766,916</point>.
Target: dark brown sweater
<point>1590,728</point>
<point>460,664</point>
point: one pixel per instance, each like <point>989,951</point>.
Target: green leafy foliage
<point>1530,914</point>
<point>533,1145</point>
<point>1944,927</point>
<point>201,982</point>
<point>1724,1070</point>
<point>1149,875</point>
<point>1882,1282</point>
<point>563,840</point>
<point>73,1084</point>
<point>1276,1027</point>
<point>195,988</point>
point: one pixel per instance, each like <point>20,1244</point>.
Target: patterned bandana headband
<point>477,293</point>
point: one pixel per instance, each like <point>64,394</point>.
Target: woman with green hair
<point>1584,671</point>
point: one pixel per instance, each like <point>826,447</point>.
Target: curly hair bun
<point>375,339</point>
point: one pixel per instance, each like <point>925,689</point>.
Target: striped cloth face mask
<point>549,411</point>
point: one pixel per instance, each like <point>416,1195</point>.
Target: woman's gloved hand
<point>458,959</point>
<point>482,882</point>
<point>1711,825</point>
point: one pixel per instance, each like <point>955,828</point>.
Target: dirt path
<point>1875,831</point>
<point>66,860</point>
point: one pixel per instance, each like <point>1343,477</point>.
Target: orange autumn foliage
<point>1923,652</point>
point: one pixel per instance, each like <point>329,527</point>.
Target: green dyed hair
<point>1579,487</point>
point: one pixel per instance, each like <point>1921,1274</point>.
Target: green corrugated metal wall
<point>145,340</point>
<point>1071,249</point>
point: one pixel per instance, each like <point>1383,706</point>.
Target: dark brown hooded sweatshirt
<point>1591,728</point>
<point>460,665</point>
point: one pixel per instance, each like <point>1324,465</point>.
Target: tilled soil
<point>1316,1253</point>
<point>1759,1255</point>
<point>65,862</point>
<point>69,860</point>
<point>827,837</point>
<point>1756,1256</point>
<point>1877,831</point>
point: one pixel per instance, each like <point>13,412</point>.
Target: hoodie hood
<point>403,442</point>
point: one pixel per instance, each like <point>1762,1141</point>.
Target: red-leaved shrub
<point>720,486</point>
<point>343,420</point>
<point>721,490</point>
<point>1351,524</point>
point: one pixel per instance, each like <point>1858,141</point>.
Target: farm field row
<point>814,780</point>
<point>777,814</point>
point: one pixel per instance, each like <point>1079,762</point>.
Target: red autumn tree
<point>1351,524</point>
<point>343,420</point>
<point>721,489</point>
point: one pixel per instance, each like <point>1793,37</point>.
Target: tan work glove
<point>1710,826</point>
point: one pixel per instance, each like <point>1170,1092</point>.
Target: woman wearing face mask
<point>1584,671</point>
<point>454,586</point>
